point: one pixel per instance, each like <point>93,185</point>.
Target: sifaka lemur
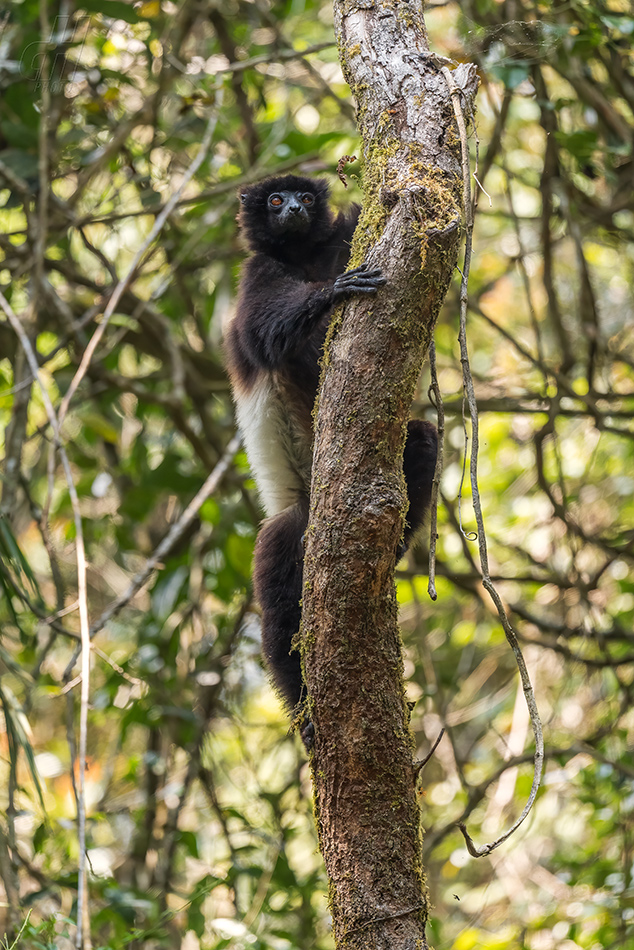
<point>290,285</point>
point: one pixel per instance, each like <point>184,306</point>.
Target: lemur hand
<point>357,281</point>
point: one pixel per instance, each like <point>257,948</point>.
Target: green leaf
<point>582,143</point>
<point>166,592</point>
<point>117,9</point>
<point>17,730</point>
<point>10,550</point>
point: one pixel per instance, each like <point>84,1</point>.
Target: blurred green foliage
<point>200,830</point>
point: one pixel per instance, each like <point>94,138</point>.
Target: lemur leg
<point>419,462</point>
<point>277,579</point>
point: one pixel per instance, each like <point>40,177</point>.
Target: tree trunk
<point>363,771</point>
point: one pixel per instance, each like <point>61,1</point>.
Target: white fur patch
<point>279,451</point>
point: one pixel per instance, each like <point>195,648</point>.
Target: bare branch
<point>82,598</point>
<point>166,545</point>
<point>172,537</point>
<point>419,766</point>
<point>434,390</point>
<point>123,283</point>
<point>473,411</point>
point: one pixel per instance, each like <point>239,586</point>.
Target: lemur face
<point>290,210</point>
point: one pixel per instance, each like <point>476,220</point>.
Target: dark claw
<point>366,288</point>
<point>370,281</point>
<point>366,280</point>
<point>362,273</point>
<point>363,283</point>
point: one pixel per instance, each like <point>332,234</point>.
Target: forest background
<point>199,820</point>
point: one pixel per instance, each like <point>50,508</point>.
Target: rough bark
<point>363,772</point>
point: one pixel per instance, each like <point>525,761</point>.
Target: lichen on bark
<point>364,779</point>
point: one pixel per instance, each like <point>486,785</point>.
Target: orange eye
<point>276,201</point>
<point>307,199</point>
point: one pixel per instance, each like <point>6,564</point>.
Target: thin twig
<point>18,936</point>
<point>40,234</point>
<point>220,188</point>
<point>467,535</point>
<point>133,680</point>
<point>125,280</point>
<point>278,56</point>
<point>80,554</point>
<point>434,389</point>
<point>173,535</point>
<point>483,189</point>
<point>166,545</point>
<point>511,637</point>
<point>419,766</point>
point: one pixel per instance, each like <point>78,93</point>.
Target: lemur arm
<point>279,313</point>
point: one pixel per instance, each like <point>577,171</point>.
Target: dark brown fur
<point>289,287</point>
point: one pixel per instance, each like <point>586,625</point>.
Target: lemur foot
<point>307,732</point>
